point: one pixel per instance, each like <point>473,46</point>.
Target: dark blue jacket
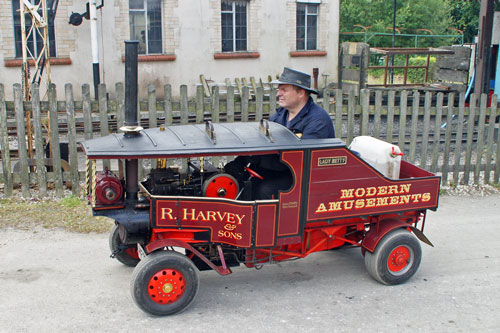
<point>312,121</point>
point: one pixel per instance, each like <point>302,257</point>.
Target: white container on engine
<point>383,156</point>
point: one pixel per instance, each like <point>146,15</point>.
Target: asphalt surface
<point>59,281</point>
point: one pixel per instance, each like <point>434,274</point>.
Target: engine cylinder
<point>109,188</point>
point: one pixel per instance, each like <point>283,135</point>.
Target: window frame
<point>146,35</point>
<point>34,36</point>
<point>233,15</point>
<point>307,14</point>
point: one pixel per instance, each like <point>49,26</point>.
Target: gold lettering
<point>348,204</point>
<point>335,206</point>
<point>321,208</point>
<point>240,218</point>
<point>404,188</point>
<point>360,203</point>
<point>393,189</point>
<point>200,216</point>
<point>347,194</point>
<point>221,217</point>
<point>416,197</point>
<point>211,216</point>
<point>371,191</point>
<point>166,212</point>
<point>370,202</point>
<point>426,197</point>
<point>394,200</point>
<point>360,192</point>
<point>230,218</point>
<point>382,190</point>
<point>404,199</point>
<point>382,201</point>
<point>185,216</point>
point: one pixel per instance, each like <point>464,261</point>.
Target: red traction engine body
<point>192,211</point>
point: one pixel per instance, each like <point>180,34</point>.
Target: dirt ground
<point>53,280</point>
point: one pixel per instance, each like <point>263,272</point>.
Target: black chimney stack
<point>131,55</point>
<point>131,127</point>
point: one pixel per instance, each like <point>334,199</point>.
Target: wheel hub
<point>166,286</point>
<point>400,257</point>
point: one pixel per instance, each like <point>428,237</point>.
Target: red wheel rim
<point>222,187</point>
<point>166,286</point>
<point>399,259</point>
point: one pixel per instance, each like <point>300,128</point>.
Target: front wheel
<point>126,254</point>
<point>395,259</point>
<point>164,283</point>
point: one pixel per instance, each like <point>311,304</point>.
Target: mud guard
<point>376,234</point>
<point>161,243</point>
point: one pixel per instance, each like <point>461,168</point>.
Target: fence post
<point>21,140</point>
<point>87,112</point>
<point>470,137</point>
<point>414,126</point>
<point>4,145</point>
<point>437,132</point>
<point>199,104</point>
<point>184,105</point>
<point>273,93</point>
<point>365,110</point>
<point>391,101</point>
<point>376,117</point>
<point>41,171</point>
<point>73,158</point>
<point>480,137</point>
<point>338,113</point>
<point>230,104</point>
<point>120,105</point>
<point>489,143</point>
<point>153,120</point>
<point>215,104</point>
<point>351,109</point>
<point>259,103</point>
<point>403,109</point>
<point>169,118</point>
<point>447,138</point>
<point>245,94</point>
<point>103,113</point>
<point>54,141</point>
<point>458,137</point>
<point>425,134</point>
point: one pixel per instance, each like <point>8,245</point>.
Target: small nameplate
<point>338,160</point>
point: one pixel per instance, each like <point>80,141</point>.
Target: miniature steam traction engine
<point>181,220</point>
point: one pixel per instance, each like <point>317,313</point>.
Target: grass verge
<point>69,213</point>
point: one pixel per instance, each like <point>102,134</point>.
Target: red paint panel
<point>345,186</point>
<point>229,223</point>
<point>289,213</point>
<point>266,225</point>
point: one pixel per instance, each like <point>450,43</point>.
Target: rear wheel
<point>164,283</point>
<point>126,254</point>
<point>395,259</point>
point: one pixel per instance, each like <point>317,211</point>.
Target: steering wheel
<point>253,173</point>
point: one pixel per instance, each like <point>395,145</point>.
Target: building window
<point>34,38</point>
<point>234,25</point>
<point>307,26</point>
<point>145,25</point>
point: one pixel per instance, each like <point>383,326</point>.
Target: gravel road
<point>51,280</point>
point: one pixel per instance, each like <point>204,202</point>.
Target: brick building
<point>179,40</point>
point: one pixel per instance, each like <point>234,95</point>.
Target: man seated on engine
<point>299,114</point>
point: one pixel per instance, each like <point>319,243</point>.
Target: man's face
<point>289,96</point>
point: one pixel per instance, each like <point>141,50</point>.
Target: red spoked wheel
<point>395,259</point>
<point>222,185</point>
<point>164,283</point>
<point>128,256</point>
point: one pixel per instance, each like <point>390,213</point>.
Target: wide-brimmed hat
<point>296,78</point>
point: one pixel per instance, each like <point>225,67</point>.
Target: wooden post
<point>489,142</point>
<point>458,137</point>
<point>21,140</point>
<point>73,158</point>
<point>390,115</point>
<point>425,133</point>
<point>245,93</point>
<point>338,113</point>
<point>447,139</point>
<point>259,103</point>
<point>351,109</point>
<point>199,105</point>
<point>167,90</point>
<point>470,137</point>
<point>215,104</point>
<point>120,105</point>
<point>4,146</point>
<point>184,105</point>
<point>403,105</point>
<point>103,114</point>
<point>480,137</point>
<point>230,104</point>
<point>378,111</point>
<point>87,112</point>
<point>437,132</point>
<point>414,126</point>
<point>54,141</point>
<point>365,110</point>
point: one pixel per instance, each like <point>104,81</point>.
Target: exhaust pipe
<point>131,125</point>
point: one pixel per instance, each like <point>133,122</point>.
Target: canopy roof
<point>202,139</point>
